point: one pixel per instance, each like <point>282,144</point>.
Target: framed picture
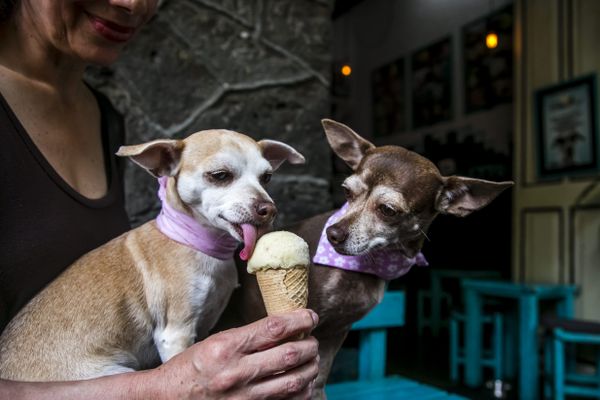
<point>388,94</point>
<point>488,72</point>
<point>432,84</point>
<point>567,133</point>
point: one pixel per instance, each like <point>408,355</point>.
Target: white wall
<point>376,32</point>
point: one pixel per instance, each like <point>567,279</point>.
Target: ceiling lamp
<point>491,40</point>
<point>346,70</point>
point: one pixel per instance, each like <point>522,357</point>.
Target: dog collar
<point>386,264</point>
<point>186,230</point>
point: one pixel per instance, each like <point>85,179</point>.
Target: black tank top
<point>45,224</point>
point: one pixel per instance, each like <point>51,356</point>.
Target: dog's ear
<point>461,196</point>
<point>159,157</point>
<point>346,143</point>
<point>277,152</point>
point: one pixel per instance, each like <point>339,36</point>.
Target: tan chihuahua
<point>393,196</point>
<point>149,294</point>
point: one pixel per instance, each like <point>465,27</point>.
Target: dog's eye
<point>266,178</point>
<point>347,193</point>
<point>220,176</point>
<point>387,210</point>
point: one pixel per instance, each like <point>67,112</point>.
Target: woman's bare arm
<point>255,361</point>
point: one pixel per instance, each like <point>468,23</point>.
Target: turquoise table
<point>527,298</point>
<point>438,276</point>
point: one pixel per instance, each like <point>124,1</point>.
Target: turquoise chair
<point>562,377</point>
<point>425,317</point>
<point>372,382</point>
<point>492,356</point>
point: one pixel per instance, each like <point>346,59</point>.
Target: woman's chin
<point>100,56</point>
<point>105,60</point>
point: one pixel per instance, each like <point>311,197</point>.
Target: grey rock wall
<point>260,67</point>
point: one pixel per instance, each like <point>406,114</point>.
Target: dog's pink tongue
<point>249,241</point>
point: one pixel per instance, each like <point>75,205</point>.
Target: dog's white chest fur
<point>212,289</point>
<point>186,311</point>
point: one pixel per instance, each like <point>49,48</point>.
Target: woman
<point>61,197</point>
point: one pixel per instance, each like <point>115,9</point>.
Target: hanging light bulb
<point>346,70</point>
<point>491,40</point>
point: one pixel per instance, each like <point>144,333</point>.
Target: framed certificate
<point>567,133</point>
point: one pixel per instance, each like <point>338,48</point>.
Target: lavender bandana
<point>186,230</point>
<point>386,264</point>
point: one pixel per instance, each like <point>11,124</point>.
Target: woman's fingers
<point>277,359</point>
<point>296,384</point>
<point>270,331</point>
<point>256,361</point>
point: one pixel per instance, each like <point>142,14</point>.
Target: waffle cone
<point>283,290</point>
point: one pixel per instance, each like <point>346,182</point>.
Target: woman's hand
<point>252,362</point>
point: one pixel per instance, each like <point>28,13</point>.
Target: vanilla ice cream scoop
<point>280,262</point>
<point>279,250</point>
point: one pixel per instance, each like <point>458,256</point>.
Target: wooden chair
<point>372,382</point>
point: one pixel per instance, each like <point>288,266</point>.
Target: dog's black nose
<point>265,210</point>
<point>336,235</point>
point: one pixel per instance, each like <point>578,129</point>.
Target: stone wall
<point>260,67</point>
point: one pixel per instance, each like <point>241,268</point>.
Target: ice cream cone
<point>283,290</point>
<point>280,262</point>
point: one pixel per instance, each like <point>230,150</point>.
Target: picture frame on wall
<point>388,98</point>
<point>432,84</point>
<point>567,132</point>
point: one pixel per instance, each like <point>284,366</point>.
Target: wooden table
<point>527,298</point>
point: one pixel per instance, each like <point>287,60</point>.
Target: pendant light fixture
<point>491,38</point>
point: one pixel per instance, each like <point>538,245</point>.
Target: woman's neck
<point>25,54</point>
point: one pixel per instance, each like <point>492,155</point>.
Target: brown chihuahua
<point>393,196</point>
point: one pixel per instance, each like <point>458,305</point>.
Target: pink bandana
<point>186,230</point>
<point>386,264</point>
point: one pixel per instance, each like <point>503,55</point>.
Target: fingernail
<point>314,317</point>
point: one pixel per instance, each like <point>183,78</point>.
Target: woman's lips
<point>110,30</point>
